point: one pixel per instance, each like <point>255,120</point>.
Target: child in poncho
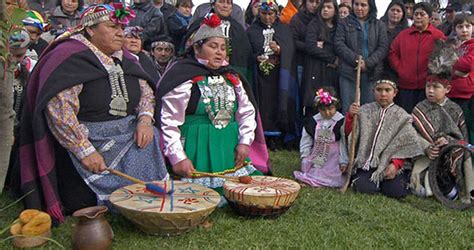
<point>385,141</point>
<point>322,152</point>
<point>439,122</point>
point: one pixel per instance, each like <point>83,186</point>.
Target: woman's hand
<point>261,58</point>
<point>94,163</point>
<point>390,172</point>
<point>275,47</point>
<point>183,168</point>
<point>240,154</point>
<point>144,132</point>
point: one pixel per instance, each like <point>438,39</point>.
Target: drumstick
<point>241,179</point>
<point>155,189</point>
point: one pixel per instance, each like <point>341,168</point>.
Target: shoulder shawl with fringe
<point>63,65</point>
<point>384,134</point>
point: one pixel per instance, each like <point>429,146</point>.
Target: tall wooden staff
<point>354,126</point>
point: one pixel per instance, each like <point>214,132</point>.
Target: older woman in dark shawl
<point>89,107</point>
<point>276,86</point>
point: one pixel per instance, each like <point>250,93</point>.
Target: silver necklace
<point>222,96</point>
<point>118,104</point>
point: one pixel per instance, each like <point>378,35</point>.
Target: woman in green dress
<point>206,112</point>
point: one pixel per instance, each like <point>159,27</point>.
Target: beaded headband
<point>392,83</point>
<point>159,43</point>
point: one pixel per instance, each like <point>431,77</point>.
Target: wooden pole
<point>350,165</point>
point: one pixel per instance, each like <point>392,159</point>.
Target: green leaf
<point>4,25</point>
<point>17,16</point>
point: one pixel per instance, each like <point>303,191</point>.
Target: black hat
<point>424,6</point>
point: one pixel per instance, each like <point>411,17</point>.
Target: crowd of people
<point>155,91</point>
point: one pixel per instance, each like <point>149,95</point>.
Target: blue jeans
<point>347,88</point>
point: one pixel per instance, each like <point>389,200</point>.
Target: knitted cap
<point>210,27</point>
<point>424,6</point>
<point>33,18</point>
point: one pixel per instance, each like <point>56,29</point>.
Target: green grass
<point>320,218</point>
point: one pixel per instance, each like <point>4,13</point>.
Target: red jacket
<point>409,53</point>
<point>463,87</point>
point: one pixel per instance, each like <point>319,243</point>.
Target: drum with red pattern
<point>263,196</point>
<point>184,208</point>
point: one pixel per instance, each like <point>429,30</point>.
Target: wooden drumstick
<point>241,179</point>
<point>148,186</point>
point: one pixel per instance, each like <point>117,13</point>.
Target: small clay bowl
<point>31,241</point>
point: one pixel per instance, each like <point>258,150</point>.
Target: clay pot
<point>92,231</point>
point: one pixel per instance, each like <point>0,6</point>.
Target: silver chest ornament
<point>222,96</point>
<point>118,104</point>
<point>268,37</point>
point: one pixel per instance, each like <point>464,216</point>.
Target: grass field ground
<point>320,218</point>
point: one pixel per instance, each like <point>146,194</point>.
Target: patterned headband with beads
<point>324,98</point>
<point>392,83</point>
<point>117,13</point>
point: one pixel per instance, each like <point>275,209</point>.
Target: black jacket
<point>150,19</point>
<point>317,73</point>
<point>298,25</point>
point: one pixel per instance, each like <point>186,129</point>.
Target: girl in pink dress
<point>321,148</point>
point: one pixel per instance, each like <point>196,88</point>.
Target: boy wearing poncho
<point>439,122</point>
<point>385,141</point>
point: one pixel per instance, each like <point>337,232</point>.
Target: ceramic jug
<point>92,230</point>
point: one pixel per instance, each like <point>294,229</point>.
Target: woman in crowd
<point>298,25</point>
<point>133,43</point>
<point>179,21</point>
<point>66,15</point>
<point>207,113</point>
<point>251,13</point>
<point>89,107</point>
<point>395,21</point>
<point>360,34</point>
<point>239,50</point>
<point>276,86</point>
<point>321,61</point>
